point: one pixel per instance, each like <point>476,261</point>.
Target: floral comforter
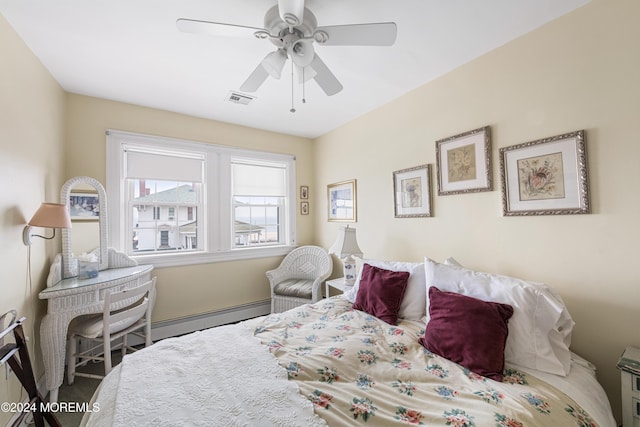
<point>359,370</point>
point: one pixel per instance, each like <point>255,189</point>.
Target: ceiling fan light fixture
<point>274,62</point>
<point>302,52</point>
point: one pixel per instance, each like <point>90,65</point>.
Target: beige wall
<point>579,72</point>
<point>185,291</point>
<point>31,159</point>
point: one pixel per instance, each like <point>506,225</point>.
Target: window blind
<point>258,180</point>
<point>168,167</point>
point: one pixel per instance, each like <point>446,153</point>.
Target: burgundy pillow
<point>380,292</point>
<point>468,331</point>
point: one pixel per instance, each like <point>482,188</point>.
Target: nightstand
<point>338,284</point>
<point>629,365</point>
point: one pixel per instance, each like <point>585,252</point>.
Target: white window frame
<point>216,224</point>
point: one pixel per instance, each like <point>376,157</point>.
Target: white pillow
<point>560,336</point>
<point>540,328</point>
<point>452,261</point>
<point>413,301</point>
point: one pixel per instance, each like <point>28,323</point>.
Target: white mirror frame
<point>69,264</point>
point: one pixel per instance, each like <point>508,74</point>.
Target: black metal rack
<point>17,356</point>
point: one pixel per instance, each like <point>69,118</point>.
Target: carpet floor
<point>81,390</point>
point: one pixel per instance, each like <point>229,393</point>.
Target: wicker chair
<point>299,277</point>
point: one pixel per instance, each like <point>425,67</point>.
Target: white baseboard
<point>186,325</point>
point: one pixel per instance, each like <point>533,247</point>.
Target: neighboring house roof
<point>181,194</point>
<point>245,227</point>
<point>189,227</point>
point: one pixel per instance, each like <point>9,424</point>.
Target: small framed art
<point>341,201</point>
<point>412,192</point>
<point>84,206</point>
<point>304,208</point>
<point>304,192</point>
<point>464,162</point>
<point>545,177</point>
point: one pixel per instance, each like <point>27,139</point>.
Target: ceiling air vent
<point>239,98</point>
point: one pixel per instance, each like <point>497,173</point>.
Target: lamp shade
<point>274,62</point>
<point>346,243</point>
<point>51,215</point>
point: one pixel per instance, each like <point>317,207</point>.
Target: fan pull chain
<point>304,100</point>
<point>293,110</point>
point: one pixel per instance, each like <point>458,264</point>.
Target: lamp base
<point>349,270</point>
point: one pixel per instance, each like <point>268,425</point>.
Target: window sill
<point>181,259</point>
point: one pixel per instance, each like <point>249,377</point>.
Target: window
<point>258,194</point>
<point>177,202</point>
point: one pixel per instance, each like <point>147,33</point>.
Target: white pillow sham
<point>540,329</point>
<point>413,306</point>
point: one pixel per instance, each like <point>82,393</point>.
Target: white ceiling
<point>131,51</point>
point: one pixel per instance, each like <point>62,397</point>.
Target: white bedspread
<point>245,387</point>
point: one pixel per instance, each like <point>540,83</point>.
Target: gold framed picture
<point>341,201</point>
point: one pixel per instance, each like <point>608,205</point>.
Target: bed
<point>347,360</point>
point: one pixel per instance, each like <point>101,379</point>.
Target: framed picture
<point>304,208</point>
<point>341,201</point>
<point>545,177</point>
<point>304,192</point>
<point>464,162</point>
<point>412,192</point>
<point>84,206</point>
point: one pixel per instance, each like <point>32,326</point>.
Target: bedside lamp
<point>48,215</point>
<point>345,247</point>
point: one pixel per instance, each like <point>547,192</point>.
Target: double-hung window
<point>259,194</point>
<point>174,202</point>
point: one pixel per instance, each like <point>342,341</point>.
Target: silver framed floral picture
<point>545,177</point>
<point>464,162</point>
<point>412,192</point>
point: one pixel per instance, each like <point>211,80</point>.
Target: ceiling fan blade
<point>377,34</point>
<point>325,78</point>
<point>255,80</point>
<point>195,26</point>
<point>291,11</point>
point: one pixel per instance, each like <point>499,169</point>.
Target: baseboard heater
<point>186,325</point>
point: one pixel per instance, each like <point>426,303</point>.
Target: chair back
<point>308,262</point>
<point>124,308</point>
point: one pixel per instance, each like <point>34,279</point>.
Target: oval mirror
<point>86,200</point>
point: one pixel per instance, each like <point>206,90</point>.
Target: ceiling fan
<point>293,29</point>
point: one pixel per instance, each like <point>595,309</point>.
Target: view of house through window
<point>163,215</point>
<point>257,220</point>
